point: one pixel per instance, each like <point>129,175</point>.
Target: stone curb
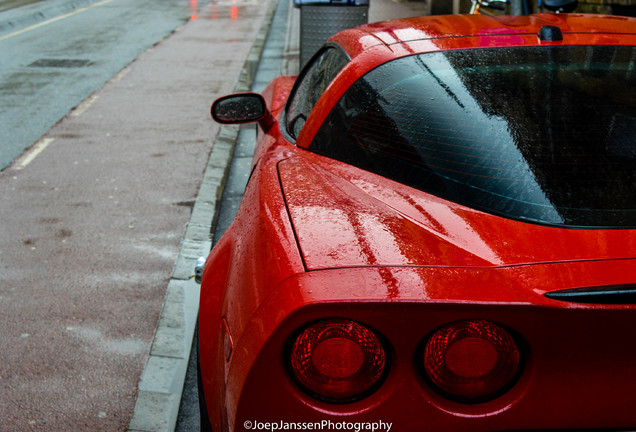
<point>159,396</point>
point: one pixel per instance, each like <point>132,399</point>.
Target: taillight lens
<point>471,361</point>
<point>338,360</point>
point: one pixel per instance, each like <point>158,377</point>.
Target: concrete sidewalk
<point>161,386</point>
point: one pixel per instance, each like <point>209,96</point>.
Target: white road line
<point>33,153</point>
<point>52,20</point>
<point>122,73</point>
<point>84,106</point>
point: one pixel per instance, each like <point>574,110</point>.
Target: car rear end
<point>452,323</point>
<point>412,359</point>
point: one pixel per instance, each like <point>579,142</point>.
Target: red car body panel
<point>444,31</point>
<point>362,219</point>
<point>316,238</point>
<point>573,354</point>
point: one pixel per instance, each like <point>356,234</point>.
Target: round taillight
<point>337,360</point>
<point>471,361</point>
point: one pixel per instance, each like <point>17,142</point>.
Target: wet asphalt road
<point>48,70</point>
<point>93,216</point>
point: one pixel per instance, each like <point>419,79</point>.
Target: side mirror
<point>242,108</point>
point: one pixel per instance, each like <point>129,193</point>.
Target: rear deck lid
<point>347,217</point>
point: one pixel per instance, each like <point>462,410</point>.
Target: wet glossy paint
<point>317,239</point>
<point>351,218</point>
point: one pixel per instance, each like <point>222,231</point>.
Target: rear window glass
<point>540,134</point>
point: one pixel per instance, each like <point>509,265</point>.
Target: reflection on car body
<point>439,233</point>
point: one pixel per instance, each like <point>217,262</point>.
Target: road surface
<point>93,215</point>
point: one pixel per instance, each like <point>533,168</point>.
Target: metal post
<point>520,7</point>
<point>320,19</point>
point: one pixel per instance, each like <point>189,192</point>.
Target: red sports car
<point>439,234</point>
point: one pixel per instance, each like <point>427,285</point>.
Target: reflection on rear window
<point>541,134</point>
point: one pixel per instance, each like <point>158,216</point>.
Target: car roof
<point>373,44</point>
<point>435,33</point>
